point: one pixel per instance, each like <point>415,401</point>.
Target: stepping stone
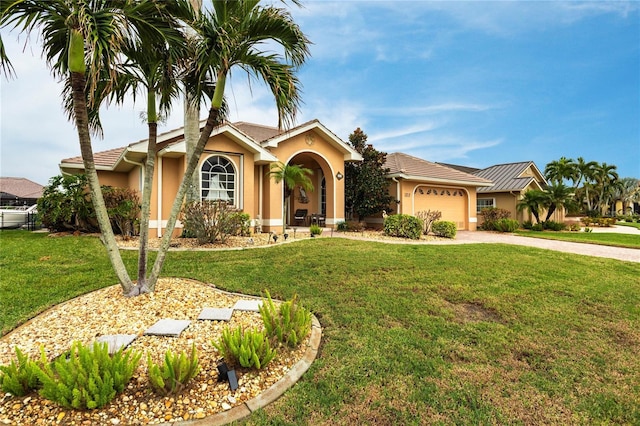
<point>116,342</point>
<point>248,305</point>
<point>168,327</point>
<point>216,314</point>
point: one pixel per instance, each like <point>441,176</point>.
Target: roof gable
<point>512,176</point>
<point>350,154</point>
<point>409,167</point>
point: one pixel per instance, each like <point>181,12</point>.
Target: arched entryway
<point>320,200</point>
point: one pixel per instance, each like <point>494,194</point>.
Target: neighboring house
<point>510,182</point>
<point>421,185</point>
<point>19,191</point>
<point>234,167</point>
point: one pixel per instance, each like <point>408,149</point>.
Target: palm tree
<point>556,196</point>
<point>585,171</point>
<point>605,176</point>
<point>291,175</point>
<point>82,42</point>
<point>154,68</point>
<point>559,170</point>
<point>532,200</point>
<point>234,34</point>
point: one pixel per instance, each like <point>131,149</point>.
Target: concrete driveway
<point>626,254</point>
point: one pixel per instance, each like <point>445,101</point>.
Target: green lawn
<point>604,238</point>
<point>412,334</point>
<point>631,224</point>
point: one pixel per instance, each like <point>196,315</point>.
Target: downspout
<point>159,215</point>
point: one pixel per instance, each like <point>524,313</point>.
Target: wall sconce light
<point>339,176</point>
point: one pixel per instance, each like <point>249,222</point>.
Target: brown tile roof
<point>20,187</point>
<point>103,158</point>
<point>400,163</point>
<point>257,132</point>
<point>507,177</point>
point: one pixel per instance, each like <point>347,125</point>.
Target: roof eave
<point>439,180</point>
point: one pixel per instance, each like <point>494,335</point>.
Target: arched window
<point>218,180</point>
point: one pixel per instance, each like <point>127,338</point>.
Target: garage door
<point>452,202</point>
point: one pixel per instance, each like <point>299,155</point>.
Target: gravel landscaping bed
<point>105,312</point>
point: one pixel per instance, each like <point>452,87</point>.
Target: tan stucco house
<point>234,167</point>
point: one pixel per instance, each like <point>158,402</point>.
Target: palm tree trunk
<point>212,121</point>
<point>191,137</point>
<point>149,168</point>
<point>107,237</point>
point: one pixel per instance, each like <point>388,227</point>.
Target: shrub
<point>537,227</point>
<point>288,324</point>
<point>175,373</point>
<point>250,348</point>
<point>342,226</point>
<point>403,226</point>
<point>527,224</point>
<point>444,228</point>
<point>123,207</point>
<point>491,215</point>
<point>65,205</point>
<point>586,220</point>
<point>350,226</point>
<point>20,379</point>
<point>211,221</point>
<point>587,230</point>
<point>574,227</point>
<point>428,217</point>
<point>315,230</point>
<point>87,377</point>
<point>554,226</point>
<point>506,225</point>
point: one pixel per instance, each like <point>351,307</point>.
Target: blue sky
<point>471,83</point>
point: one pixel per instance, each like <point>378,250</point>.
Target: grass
<point>412,334</point>
<point>604,238</point>
<point>631,224</point>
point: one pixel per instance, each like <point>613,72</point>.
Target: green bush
<point>21,378</point>
<point>87,377</point>
<point>444,228</point>
<point>342,226</point>
<point>428,217</point>
<point>403,226</point>
<point>211,221</point>
<point>65,205</point>
<point>527,224</point>
<point>491,215</point>
<point>175,373</point>
<point>315,230</point>
<point>537,227</point>
<point>123,207</point>
<point>249,349</point>
<point>506,225</point>
<point>574,227</point>
<point>554,226</point>
<point>288,324</point>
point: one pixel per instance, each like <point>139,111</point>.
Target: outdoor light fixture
<point>275,238</point>
<point>286,236</point>
<point>225,374</point>
<point>339,176</point>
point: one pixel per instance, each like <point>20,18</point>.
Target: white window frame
<point>479,207</point>
<point>229,171</point>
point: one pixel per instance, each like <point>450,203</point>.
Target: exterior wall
<point>119,180</point>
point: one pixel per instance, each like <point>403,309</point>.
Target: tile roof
<point>465,169</point>
<point>20,187</point>
<point>103,158</point>
<point>508,177</point>
<point>400,163</point>
<point>257,132</point>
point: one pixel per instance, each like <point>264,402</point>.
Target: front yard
<point>412,334</point>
